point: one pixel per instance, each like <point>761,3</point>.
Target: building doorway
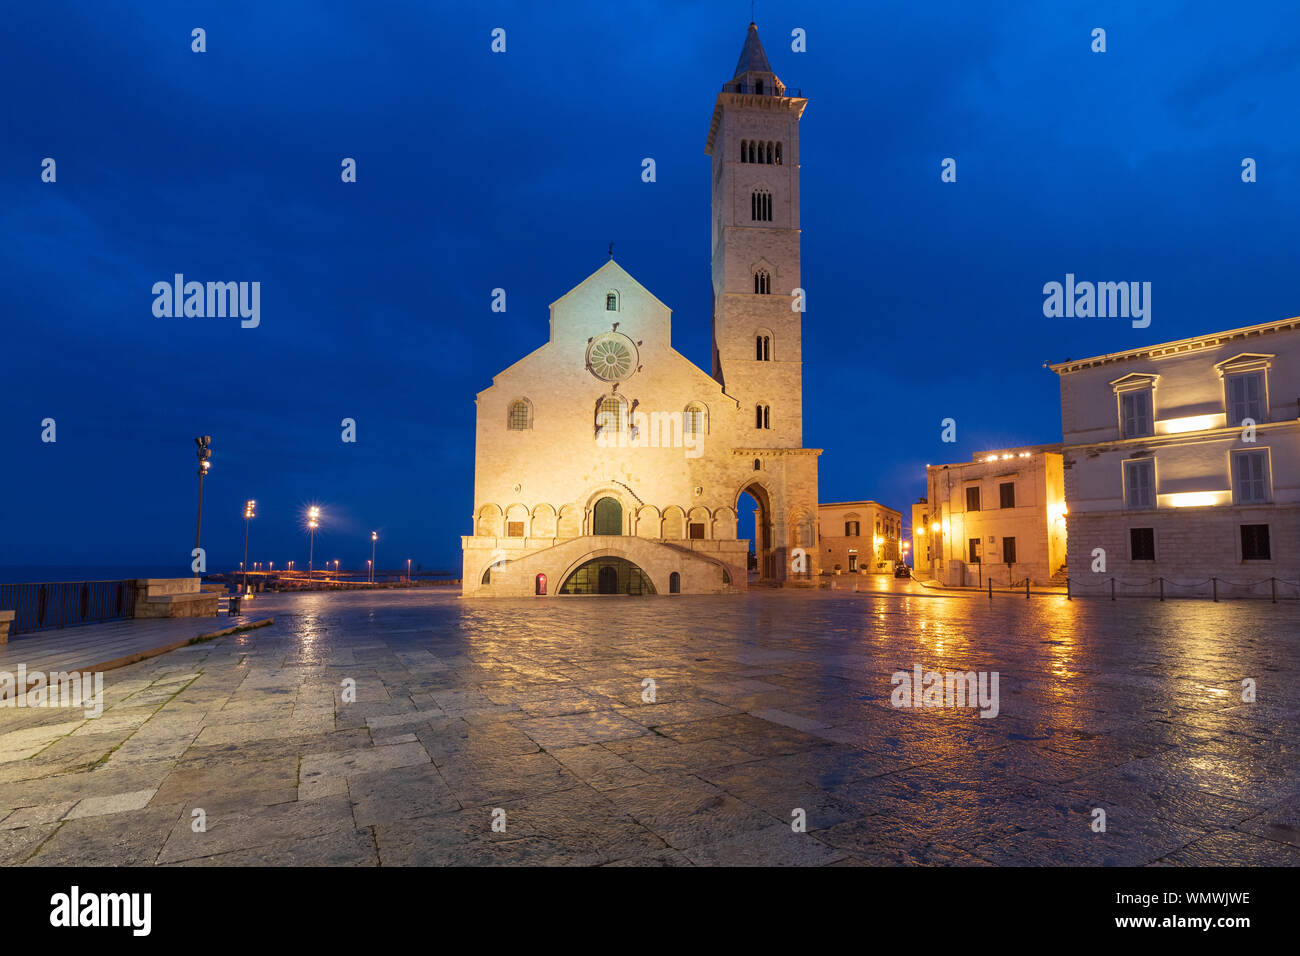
<point>754,521</point>
<point>608,518</point>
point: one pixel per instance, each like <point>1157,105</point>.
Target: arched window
<point>762,282</point>
<point>769,154</point>
<point>608,517</point>
<point>521,416</point>
<point>611,301</point>
<point>762,416</point>
<point>744,151</point>
<point>760,206</point>
<point>758,88</point>
<point>758,465</point>
<point>611,415</point>
<point>763,348</point>
<point>778,154</point>
<point>751,151</point>
<point>695,419</point>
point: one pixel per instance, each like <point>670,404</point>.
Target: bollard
<point>1215,582</point>
<point>1026,589</point>
<point>1162,589</point>
<point>1274,580</point>
<point>990,589</point>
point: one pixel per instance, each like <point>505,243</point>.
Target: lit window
<point>693,419</point>
<point>520,420</point>
<point>1245,397</point>
<point>1250,476</point>
<point>1135,414</point>
<point>1140,483</point>
<point>610,416</point>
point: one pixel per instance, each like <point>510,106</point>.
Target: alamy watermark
<point>55,689</point>
<point>213,300</point>
<point>922,688</point>
<point>1102,300</point>
<point>649,430</point>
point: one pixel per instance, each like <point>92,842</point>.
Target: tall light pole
<point>204,452</point>
<point>249,507</point>
<point>408,570</point>
<point>313,516</point>
<point>374,536</point>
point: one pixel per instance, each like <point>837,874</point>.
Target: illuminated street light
<point>313,522</point>
<point>249,508</point>
<point>408,570</point>
<point>204,452</point>
<point>374,536</point>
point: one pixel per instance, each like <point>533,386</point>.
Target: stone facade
<point>858,537</point>
<point>1166,476</point>
<point>605,449</point>
<point>1000,516</point>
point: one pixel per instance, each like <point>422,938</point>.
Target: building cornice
<point>1164,349</point>
<point>764,101</point>
<point>774,452</point>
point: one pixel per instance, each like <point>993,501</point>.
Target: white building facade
<point>1182,465</point>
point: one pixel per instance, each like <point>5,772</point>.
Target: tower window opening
<point>762,282</point>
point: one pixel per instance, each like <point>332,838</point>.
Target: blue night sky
<point>478,170</point>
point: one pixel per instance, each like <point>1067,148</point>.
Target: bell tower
<point>757,328</point>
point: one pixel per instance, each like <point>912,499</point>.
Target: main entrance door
<point>608,580</point>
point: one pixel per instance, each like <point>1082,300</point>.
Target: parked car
<point>902,571</point>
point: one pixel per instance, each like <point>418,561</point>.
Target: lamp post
<point>313,514</point>
<point>408,570</point>
<point>249,507</point>
<point>374,536</point>
<point>204,452</point>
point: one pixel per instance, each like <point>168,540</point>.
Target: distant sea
<point>42,573</point>
<point>50,573</point>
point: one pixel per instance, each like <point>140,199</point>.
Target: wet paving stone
<point>395,727</point>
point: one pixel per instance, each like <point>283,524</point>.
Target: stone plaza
<point>690,730</point>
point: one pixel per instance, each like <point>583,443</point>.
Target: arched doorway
<point>674,583</point>
<point>608,518</point>
<point>607,575</point>
<point>754,521</point>
<point>539,586</point>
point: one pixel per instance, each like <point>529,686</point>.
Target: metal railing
<point>789,92</point>
<point>38,607</point>
<point>1212,587</point>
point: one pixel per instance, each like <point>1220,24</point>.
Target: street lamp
<point>313,522</point>
<point>249,507</point>
<point>204,452</point>
<point>408,570</point>
<point>374,536</point>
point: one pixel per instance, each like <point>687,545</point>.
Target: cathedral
<point>608,463</point>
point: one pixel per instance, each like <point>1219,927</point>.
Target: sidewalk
<point>101,647</point>
<point>933,585</point>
